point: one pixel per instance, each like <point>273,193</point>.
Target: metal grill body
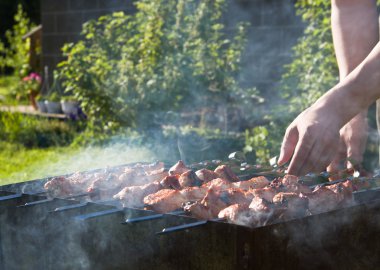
<point>38,232</point>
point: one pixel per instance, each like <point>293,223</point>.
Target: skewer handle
<point>182,227</point>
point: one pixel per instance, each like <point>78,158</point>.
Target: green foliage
<point>313,70</point>
<point>171,55</point>
<point>7,84</point>
<point>15,54</point>
<point>256,142</point>
<point>33,132</point>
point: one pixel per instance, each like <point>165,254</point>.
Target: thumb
<point>288,145</point>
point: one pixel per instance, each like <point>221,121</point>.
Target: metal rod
<point>97,214</point>
<point>182,227</point>
<point>68,207</point>
<point>141,219</point>
<point>178,212</point>
<point>39,193</point>
<point>10,197</point>
<point>35,203</point>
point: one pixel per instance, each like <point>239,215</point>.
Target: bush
<point>15,54</point>
<point>33,132</point>
<point>171,55</point>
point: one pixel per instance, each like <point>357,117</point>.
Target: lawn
<point>19,164</point>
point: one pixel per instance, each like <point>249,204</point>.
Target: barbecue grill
<point>79,232</point>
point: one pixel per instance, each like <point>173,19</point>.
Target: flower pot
<point>32,99</point>
<point>70,108</point>
<point>41,106</point>
<point>53,107</point>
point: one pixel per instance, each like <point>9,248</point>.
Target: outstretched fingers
<point>288,145</point>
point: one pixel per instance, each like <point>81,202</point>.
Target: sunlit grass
<point>18,164</point>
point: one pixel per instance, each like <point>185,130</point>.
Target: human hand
<point>353,138</point>
<point>312,139</point>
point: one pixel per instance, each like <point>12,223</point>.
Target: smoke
<point>81,159</point>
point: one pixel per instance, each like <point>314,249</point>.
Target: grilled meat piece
<point>291,184</point>
<point>289,180</point>
<point>260,205</point>
<point>206,175</point>
<point>156,175</point>
<point>293,204</point>
<point>322,200</point>
<point>199,210</point>
<point>216,200</point>
<point>130,177</point>
<point>225,172</point>
<point>234,212</point>
<point>178,168</point>
<point>165,200</point>
<point>189,179</point>
<point>59,187</point>
<point>266,193</point>
<point>146,168</point>
<point>343,191</point>
<point>241,214</point>
<point>218,183</point>
<point>133,196</point>
<point>171,182</point>
<point>256,182</point>
<point>168,200</point>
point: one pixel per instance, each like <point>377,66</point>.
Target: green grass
<point>18,164</point>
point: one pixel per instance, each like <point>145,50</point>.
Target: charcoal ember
<point>226,172</point>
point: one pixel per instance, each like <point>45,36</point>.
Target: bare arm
<point>355,33</point>
<point>313,137</point>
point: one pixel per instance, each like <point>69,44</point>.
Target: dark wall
<point>274,30</point>
<point>62,22</point>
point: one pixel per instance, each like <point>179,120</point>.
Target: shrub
<point>34,132</point>
<point>171,55</point>
<point>15,54</point>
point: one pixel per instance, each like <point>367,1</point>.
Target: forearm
<point>355,32</point>
<point>356,91</point>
